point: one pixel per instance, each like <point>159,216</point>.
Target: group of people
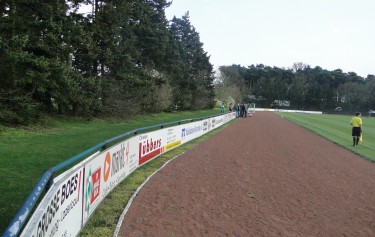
<point>241,110</point>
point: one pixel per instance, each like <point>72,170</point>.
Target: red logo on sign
<point>95,185</point>
<point>148,149</point>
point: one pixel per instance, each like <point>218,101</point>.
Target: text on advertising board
<point>148,149</point>
<point>68,188</point>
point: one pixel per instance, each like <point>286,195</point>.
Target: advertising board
<point>151,145</point>
<point>194,130</point>
<point>173,137</point>
<point>76,193</point>
<point>60,210</point>
<point>106,171</point>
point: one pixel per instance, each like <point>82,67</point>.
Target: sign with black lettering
<point>60,210</point>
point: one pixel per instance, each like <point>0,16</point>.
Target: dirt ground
<point>261,176</point>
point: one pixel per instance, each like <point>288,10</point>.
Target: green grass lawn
<point>337,129</point>
<point>25,153</point>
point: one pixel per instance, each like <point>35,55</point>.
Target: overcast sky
<point>332,34</point>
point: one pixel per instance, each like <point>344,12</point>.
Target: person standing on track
<point>238,108</point>
<point>356,122</point>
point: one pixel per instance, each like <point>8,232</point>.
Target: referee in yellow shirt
<point>356,122</point>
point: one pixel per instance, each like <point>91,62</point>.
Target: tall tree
<point>36,47</point>
<point>192,78</point>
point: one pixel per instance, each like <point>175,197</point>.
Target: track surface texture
<point>260,176</point>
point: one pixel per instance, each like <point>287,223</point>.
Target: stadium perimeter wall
<point>75,194</point>
<point>289,111</point>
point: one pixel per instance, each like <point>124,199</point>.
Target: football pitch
<point>337,129</point>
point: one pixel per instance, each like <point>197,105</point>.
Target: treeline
<point>306,88</point>
<point>116,58</point>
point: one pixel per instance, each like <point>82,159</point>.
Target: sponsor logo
<point>118,159</point>
<point>115,162</point>
<point>95,185</point>
<point>148,149</point>
<point>191,130</point>
<point>107,166</point>
<point>62,195</point>
<point>92,188</point>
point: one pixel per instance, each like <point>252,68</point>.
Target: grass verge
<point>25,153</point>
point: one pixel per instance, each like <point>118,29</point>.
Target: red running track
<point>260,176</point>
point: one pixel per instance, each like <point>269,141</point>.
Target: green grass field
<point>337,129</point>
<point>25,153</point>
